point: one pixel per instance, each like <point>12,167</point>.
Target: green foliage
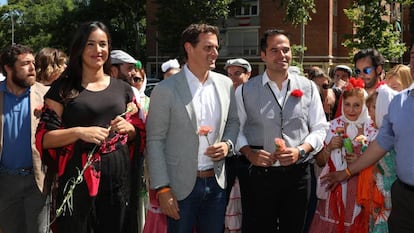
<point>34,21</point>
<point>297,51</point>
<point>298,11</point>
<point>173,16</point>
<point>373,30</point>
<point>51,23</point>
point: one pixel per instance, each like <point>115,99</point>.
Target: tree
<point>51,23</point>
<point>125,20</point>
<point>376,25</point>
<point>172,19</point>
<point>34,22</point>
<point>298,12</point>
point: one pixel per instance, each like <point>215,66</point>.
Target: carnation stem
<point>73,182</point>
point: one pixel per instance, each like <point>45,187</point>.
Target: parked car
<point>151,83</point>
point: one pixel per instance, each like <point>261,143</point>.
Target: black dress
<point>106,211</point>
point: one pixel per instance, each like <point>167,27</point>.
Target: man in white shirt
<point>187,167</point>
<point>279,104</point>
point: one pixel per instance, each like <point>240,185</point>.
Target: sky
<point>2,2</point>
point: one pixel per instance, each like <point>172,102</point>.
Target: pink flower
<point>204,131</point>
<point>339,131</point>
<point>361,139</point>
<point>296,93</point>
<point>280,144</point>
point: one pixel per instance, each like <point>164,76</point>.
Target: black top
<point>93,108</point>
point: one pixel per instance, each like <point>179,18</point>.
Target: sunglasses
<point>325,86</point>
<point>137,79</point>
<point>366,70</point>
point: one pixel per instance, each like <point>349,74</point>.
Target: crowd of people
<point>217,150</point>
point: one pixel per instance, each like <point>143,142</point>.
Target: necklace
<point>280,105</point>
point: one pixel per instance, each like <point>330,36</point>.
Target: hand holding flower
<point>361,139</point>
<point>260,158</point>
<point>280,144</point>
<point>217,151</point>
<point>335,143</point>
<point>92,134</point>
<point>332,179</point>
<point>351,157</point>
<point>287,157</point>
<point>348,144</point>
<point>122,126</point>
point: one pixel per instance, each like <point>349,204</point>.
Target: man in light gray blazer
<point>187,168</point>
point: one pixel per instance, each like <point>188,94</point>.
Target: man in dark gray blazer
<point>187,168</point>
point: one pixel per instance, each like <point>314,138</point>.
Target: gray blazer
<point>172,140</point>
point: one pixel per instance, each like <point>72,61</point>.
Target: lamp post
<point>12,24</point>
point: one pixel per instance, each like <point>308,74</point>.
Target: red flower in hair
<point>355,83</point>
<point>297,93</point>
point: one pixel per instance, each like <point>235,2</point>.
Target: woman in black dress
<point>82,109</point>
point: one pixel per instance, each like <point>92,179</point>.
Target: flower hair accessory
<point>297,93</point>
<point>355,83</point>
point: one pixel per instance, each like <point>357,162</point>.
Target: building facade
<point>240,34</point>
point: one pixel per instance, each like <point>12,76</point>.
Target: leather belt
<point>18,171</point>
<point>206,173</point>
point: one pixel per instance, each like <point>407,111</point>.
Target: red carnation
<point>297,93</point>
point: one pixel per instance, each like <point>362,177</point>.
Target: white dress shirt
<point>207,110</point>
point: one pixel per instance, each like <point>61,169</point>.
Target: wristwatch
<point>230,146</point>
<point>302,152</point>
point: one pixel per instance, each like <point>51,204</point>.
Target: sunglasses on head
<point>366,70</point>
<point>137,79</point>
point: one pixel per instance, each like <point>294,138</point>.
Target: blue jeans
<point>203,209</point>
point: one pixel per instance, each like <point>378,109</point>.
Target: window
<point>248,8</point>
<point>242,42</point>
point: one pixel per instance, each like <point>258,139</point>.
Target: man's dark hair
<point>190,34</point>
<point>375,56</point>
<point>269,33</point>
<point>9,55</point>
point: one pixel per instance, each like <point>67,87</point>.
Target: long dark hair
<point>73,73</point>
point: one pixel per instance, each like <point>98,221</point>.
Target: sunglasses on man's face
<point>137,79</point>
<point>366,70</point>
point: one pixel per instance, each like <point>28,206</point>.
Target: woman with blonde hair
<point>337,209</point>
<point>399,77</point>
